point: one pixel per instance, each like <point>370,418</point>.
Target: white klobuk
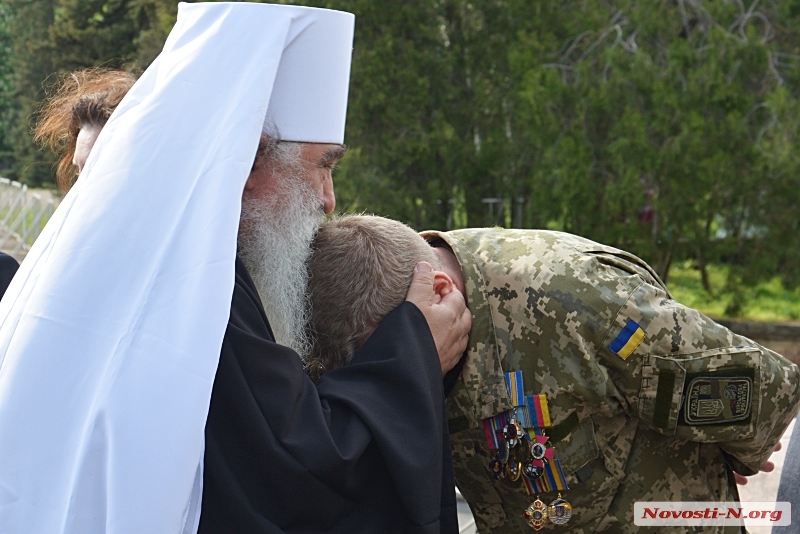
<point>110,333</point>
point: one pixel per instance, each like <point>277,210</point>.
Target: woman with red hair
<point>73,116</point>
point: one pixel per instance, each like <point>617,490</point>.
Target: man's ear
<point>442,285</point>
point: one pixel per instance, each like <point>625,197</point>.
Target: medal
<point>540,472</point>
<point>559,511</point>
<point>513,432</point>
<point>498,468</point>
<point>533,471</point>
<point>514,471</point>
<point>538,450</point>
<point>504,453</point>
<point>536,514</point>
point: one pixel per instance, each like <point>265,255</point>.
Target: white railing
<point>22,217</point>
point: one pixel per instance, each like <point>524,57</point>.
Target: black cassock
<point>366,449</point>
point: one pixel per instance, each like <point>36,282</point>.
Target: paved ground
<point>759,488</point>
<point>465,521</point>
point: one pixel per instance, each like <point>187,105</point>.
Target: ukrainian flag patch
<point>627,340</point>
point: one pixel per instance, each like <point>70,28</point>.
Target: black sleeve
<point>394,386</point>
<point>8,268</point>
<point>360,451</point>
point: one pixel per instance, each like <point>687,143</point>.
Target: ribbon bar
<point>538,410</point>
<point>493,429</point>
<point>515,388</point>
<point>553,479</point>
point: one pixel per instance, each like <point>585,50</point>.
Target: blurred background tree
<point>46,39</point>
<point>672,108</point>
<point>7,102</point>
<point>665,127</point>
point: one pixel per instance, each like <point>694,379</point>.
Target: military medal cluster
<point>524,453</point>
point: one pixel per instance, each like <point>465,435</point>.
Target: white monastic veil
<point>111,331</point>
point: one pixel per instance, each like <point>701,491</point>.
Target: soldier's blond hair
<point>360,270</point>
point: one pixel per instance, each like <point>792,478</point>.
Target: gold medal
<point>559,511</point>
<point>536,514</point>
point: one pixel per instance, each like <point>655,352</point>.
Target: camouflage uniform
<point>550,304</point>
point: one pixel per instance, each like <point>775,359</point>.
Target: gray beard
<point>275,244</point>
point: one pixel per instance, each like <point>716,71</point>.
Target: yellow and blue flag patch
<point>627,340</point>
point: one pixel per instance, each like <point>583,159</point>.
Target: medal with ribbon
<point>524,453</point>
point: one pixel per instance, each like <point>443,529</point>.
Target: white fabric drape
<point>111,331</point>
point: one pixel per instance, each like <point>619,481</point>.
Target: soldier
<point>581,368</point>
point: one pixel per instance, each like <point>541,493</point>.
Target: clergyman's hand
<point>448,316</point>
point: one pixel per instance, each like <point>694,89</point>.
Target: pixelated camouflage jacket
<point>659,425</point>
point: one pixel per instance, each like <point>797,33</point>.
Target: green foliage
<point>658,105</point>
<point>663,127</point>
<point>6,90</point>
<point>30,65</point>
<point>768,300</point>
<point>48,38</point>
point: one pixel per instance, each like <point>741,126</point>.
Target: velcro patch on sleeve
<point>627,340</point>
<point>717,399</point>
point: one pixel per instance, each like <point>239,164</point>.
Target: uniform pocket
<point>578,448</point>
<point>594,464</point>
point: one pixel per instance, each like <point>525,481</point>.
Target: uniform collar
<point>481,392</point>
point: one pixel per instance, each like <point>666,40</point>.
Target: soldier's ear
<point>442,285</point>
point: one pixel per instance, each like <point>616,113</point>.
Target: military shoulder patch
<point>627,340</point>
<point>709,400</point>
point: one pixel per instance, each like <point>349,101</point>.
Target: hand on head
<point>445,310</point>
